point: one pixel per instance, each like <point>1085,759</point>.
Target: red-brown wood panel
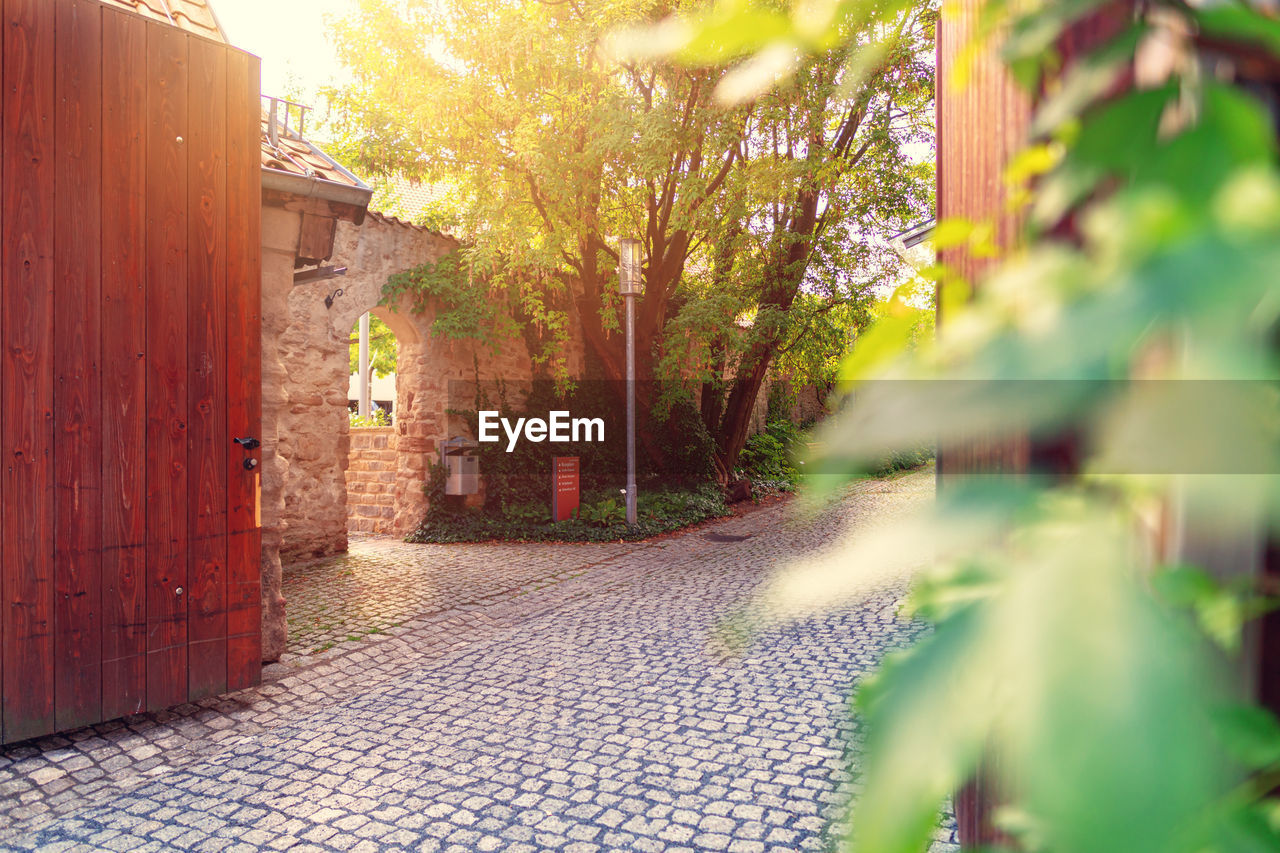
<point>206,369</point>
<point>982,125</point>
<point>77,415</point>
<point>129,316</point>
<point>27,407</point>
<point>124,368</point>
<point>244,382</point>
<point>4,446</point>
<point>167,412</point>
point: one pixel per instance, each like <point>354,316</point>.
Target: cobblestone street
<point>501,698</point>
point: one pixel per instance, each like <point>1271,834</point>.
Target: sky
<point>292,38</point>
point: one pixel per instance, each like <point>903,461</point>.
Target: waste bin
<point>461,466</point>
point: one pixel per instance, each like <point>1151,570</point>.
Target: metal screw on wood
<point>178,591</point>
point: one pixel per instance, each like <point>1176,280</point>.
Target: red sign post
<point>564,487</point>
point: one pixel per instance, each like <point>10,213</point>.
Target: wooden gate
<point>129,302</point>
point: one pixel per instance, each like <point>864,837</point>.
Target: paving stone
<point>535,697</point>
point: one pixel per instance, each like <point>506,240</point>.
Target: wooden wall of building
<point>129,281</point>
<point>982,121</point>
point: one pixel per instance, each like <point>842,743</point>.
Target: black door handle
<point>248,443</point>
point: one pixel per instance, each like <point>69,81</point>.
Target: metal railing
<point>285,118</point>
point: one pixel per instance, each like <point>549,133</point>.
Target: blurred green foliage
<point>1102,687</point>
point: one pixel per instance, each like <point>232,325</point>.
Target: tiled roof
<point>194,16</point>
<point>292,154</point>
<point>288,156</point>
<point>378,216</point>
<point>407,198</point>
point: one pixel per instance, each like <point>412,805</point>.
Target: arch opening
<point>371,454</point>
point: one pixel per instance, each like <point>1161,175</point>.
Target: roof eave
<point>313,187</point>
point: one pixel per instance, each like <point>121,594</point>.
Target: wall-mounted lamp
<point>328,300</point>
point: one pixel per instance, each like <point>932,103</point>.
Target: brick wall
<point>371,480</point>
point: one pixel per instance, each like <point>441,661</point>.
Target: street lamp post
<point>363,406</point>
<point>630,287</point>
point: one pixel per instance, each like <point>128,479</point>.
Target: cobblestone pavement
<point>382,583</point>
<point>532,698</point>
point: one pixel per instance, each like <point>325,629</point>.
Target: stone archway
<point>313,427</point>
<point>304,363</point>
<point>305,374</point>
<point>371,470</point>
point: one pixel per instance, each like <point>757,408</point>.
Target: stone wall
<point>313,425</point>
<point>371,478</point>
<point>810,404</point>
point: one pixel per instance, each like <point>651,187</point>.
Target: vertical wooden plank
<point>207,380</point>
<point>77,413</point>
<point>981,126</point>
<point>26,595</point>
<point>1269,631</point>
<point>244,380</point>
<point>4,502</point>
<point>167,414</point>
<point>4,446</point>
<point>124,366</point>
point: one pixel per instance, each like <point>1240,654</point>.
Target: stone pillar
<point>421,399</point>
<point>314,425</point>
<point>280,230</point>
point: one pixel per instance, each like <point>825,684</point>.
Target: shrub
<point>376,418</point>
<point>601,519</point>
<point>904,460</point>
<point>604,513</point>
<point>768,458</point>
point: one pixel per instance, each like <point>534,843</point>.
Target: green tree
<point>384,349</point>
<point>765,209</point>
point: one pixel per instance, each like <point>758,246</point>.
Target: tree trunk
<point>738,408</point>
<point>780,295</point>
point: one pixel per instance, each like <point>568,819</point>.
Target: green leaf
<point>925,732</point>
<point>1123,139</point>
<point>1223,617</point>
<point>1236,21</point>
<point>727,35</point>
<point>1245,831</point>
<point>1251,734</point>
<point>1185,586</point>
<point>1085,82</point>
<point>1033,36</point>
